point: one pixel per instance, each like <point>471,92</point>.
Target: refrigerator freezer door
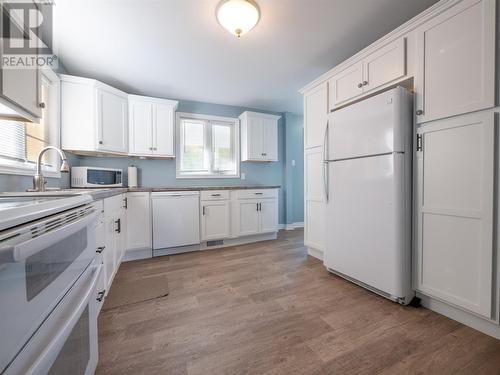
<point>366,223</point>
<point>378,125</point>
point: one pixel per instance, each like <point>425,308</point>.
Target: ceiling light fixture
<point>237,16</point>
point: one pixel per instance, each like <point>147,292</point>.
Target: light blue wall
<point>294,174</point>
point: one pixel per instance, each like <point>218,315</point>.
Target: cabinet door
<point>315,199</point>
<point>456,61</point>
<point>249,217</point>
<point>22,87</point>
<point>455,212</point>
<point>138,221</point>
<point>255,138</point>
<point>315,116</point>
<point>270,140</point>
<point>121,236</point>
<point>385,65</point>
<point>140,128</point>
<point>163,131</point>
<point>268,210</point>
<point>215,220</point>
<point>112,122</point>
<point>109,252</point>
<point>346,85</point>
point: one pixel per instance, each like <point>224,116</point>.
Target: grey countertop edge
<point>102,194</point>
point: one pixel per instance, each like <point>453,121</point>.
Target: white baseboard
<point>318,254</point>
<point>488,327</point>
<point>136,254</point>
<point>291,226</point>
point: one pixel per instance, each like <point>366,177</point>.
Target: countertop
<point>102,193</point>
<point>99,194</point>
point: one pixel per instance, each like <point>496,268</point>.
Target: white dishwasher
<point>176,222</point>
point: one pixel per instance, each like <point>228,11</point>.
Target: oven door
<point>39,263</point>
<point>66,343</point>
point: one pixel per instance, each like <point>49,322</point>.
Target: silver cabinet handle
<point>365,83</point>
<point>41,105</point>
<point>215,195</point>
<point>203,210</point>
<point>360,85</point>
<point>420,112</point>
<point>100,249</point>
<point>259,193</point>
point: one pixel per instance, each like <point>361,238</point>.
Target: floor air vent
<point>215,243</point>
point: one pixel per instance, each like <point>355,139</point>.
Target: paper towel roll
<point>132,177</point>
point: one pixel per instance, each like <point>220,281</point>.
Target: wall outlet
<point>243,176</point>
<point>293,163</point>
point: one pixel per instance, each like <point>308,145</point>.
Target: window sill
<point>26,171</point>
<point>204,176</point>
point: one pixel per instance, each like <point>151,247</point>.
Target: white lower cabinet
<point>268,210</point>
<point>114,233</point>
<point>138,221</point>
<point>215,223</point>
<point>257,211</point>
<point>248,217</point>
<point>315,199</point>
<point>455,200</point>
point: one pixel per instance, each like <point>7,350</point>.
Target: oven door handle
<point>19,252</point>
<point>46,357</point>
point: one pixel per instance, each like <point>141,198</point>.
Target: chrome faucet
<point>38,179</point>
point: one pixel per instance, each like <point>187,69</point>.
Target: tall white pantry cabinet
<point>447,56</point>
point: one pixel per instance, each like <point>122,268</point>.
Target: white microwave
<point>89,177</point>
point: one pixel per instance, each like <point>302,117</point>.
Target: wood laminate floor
<point>268,308</point>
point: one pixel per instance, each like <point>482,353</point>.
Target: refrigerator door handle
<point>325,162</point>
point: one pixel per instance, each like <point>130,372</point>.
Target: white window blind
<point>13,140</point>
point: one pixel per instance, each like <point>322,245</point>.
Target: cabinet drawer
<point>214,195</point>
<point>261,193</point>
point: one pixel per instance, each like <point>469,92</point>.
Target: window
<point>207,146</point>
<point>22,141</point>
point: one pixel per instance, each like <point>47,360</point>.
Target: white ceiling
<point>176,49</point>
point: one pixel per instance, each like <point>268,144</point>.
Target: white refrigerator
<point>367,180</point>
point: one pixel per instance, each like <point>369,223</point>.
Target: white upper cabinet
<point>20,89</point>
<point>455,200</point>
<point>94,117</point>
<point>140,129</point>
<point>112,121</point>
<point>315,116</point>
<point>346,85</point>
<point>382,67</point>
<point>151,126</point>
<point>259,137</point>
<point>456,61</point>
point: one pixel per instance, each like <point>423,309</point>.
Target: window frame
<point>235,141</point>
<point>28,169</point>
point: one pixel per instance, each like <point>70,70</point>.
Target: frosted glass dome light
<point>237,16</point>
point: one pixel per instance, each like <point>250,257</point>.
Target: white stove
<point>17,210</point>
<point>49,277</point>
